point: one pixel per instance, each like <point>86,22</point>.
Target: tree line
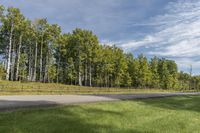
<point>38,51</point>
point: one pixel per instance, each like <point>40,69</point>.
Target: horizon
<point>166,29</point>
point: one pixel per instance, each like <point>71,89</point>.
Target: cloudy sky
<point>165,28</point>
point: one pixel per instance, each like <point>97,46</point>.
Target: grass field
<point>167,115</point>
<point>30,88</point>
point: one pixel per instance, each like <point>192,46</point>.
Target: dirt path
<point>15,102</point>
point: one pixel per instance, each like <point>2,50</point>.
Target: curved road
<point>15,102</point>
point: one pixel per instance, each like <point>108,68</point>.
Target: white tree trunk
<point>12,67</point>
<point>9,53</point>
<point>58,70</point>
<point>90,74</point>
<point>58,67</point>
<point>46,68</point>
<point>41,76</point>
<point>79,69</point>
<point>18,58</point>
<point>35,64</point>
<point>29,64</point>
<point>79,78</point>
<point>86,77</point>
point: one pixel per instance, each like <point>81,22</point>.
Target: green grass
<point>167,115</point>
<point>33,88</point>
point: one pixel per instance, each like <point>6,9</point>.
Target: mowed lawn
<point>168,115</point>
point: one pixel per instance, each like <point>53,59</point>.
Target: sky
<point>163,28</point>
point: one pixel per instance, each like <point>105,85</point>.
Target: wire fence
<point>57,89</point>
<point>65,89</point>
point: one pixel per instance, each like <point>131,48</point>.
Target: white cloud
<point>177,34</point>
<point>133,45</point>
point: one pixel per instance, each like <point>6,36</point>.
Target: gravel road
<point>15,102</point>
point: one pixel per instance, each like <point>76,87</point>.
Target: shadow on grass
<point>12,105</point>
<point>70,119</point>
<point>187,103</point>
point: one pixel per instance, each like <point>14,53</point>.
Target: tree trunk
<point>58,67</point>
<point>86,78</point>
<point>79,75</point>
<point>79,78</point>
<point>58,71</point>
<point>35,63</point>
<point>46,72</point>
<point>41,76</point>
<point>46,68</point>
<point>18,57</point>
<point>90,74</point>
<point>106,79</point>
<point>13,58</point>
<point>9,53</point>
<point>30,64</point>
<point>79,68</point>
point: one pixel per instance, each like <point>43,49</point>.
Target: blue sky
<point>165,28</point>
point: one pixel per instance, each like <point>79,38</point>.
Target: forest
<point>37,51</point>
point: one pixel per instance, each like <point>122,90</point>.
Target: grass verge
<point>169,115</point>
<point>32,88</point>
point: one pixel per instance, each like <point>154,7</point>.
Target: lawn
<point>34,88</point>
<point>169,115</point>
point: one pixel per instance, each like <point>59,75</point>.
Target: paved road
<point>15,102</point>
